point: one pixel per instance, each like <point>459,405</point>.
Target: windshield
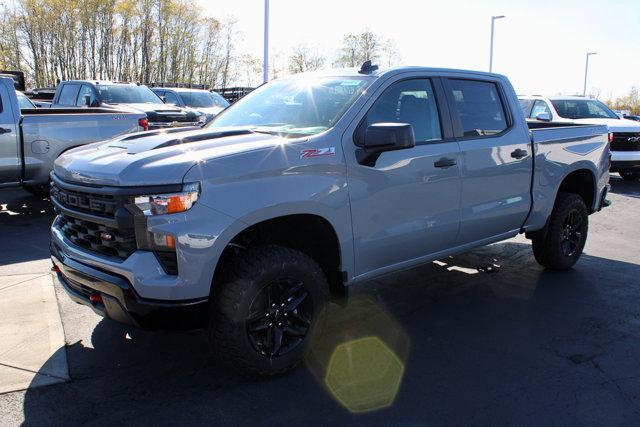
<point>203,100</point>
<point>127,94</point>
<point>294,107</point>
<point>582,109</point>
<point>24,102</point>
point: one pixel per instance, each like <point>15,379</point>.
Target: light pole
<point>586,70</point>
<point>493,20</point>
<point>265,61</point>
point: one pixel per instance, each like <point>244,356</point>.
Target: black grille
<point>97,237</point>
<point>621,141</point>
<point>94,204</point>
<point>97,222</point>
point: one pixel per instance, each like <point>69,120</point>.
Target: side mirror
<point>381,137</point>
<point>543,117</point>
<point>87,100</point>
<point>163,98</point>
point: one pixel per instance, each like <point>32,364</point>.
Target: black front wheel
<point>560,245</point>
<point>265,305</point>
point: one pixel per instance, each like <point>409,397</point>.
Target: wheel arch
<point>582,182</point>
<point>313,234</point>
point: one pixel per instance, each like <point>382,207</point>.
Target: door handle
<point>519,153</point>
<point>445,163</point>
<point>4,130</point>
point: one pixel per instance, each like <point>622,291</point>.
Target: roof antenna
<point>367,67</point>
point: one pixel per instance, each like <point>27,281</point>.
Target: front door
<point>10,169</point>
<point>406,206</point>
<point>496,158</point>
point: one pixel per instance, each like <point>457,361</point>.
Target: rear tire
<point>265,305</point>
<point>559,246</point>
<point>630,176</point>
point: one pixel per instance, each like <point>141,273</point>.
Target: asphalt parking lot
<point>487,337</point>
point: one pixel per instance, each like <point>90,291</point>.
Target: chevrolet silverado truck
<point>124,97</point>
<point>31,139</point>
<point>625,133</point>
<point>309,184</point>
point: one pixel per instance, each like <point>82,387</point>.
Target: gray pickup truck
<point>309,184</point>
<point>31,139</point>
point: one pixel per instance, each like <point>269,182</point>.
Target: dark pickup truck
<point>124,97</point>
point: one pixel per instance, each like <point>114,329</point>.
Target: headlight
<point>162,204</point>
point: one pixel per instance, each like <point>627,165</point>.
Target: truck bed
<point>560,148</point>
<point>46,134</point>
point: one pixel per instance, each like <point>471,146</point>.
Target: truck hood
<point>156,157</point>
<point>158,112</point>
<point>621,125</point>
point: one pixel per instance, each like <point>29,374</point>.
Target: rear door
<point>496,164</point>
<point>404,207</point>
<point>10,168</point>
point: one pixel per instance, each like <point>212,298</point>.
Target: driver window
<point>84,91</point>
<point>408,101</point>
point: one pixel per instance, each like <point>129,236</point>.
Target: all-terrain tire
<point>243,280</point>
<point>550,246</point>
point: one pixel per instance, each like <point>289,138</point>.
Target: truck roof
<point>555,98</point>
<point>101,82</point>
<point>348,72</point>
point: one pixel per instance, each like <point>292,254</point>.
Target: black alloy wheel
<point>572,232</point>
<point>279,317</point>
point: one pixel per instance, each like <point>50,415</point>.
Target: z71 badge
<point>317,152</point>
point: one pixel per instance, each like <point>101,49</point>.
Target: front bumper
<point>625,161</point>
<point>625,166</point>
<point>113,297</point>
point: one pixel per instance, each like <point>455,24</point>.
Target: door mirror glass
<point>543,116</point>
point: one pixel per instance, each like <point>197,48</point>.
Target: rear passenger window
<point>69,94</point>
<point>479,107</point>
<point>408,101</point>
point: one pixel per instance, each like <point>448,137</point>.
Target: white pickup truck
<point>625,139</point>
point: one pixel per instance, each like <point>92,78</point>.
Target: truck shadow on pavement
<point>624,188</point>
<point>24,221</point>
<point>487,336</point>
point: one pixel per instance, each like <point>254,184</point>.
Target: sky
<point>540,44</point>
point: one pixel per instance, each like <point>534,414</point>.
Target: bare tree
<point>390,56</point>
<point>358,48</point>
<point>304,59</point>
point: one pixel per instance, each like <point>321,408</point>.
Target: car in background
<point>31,139</point>
<point>203,101</point>
<point>625,140</point>
<point>123,97</point>
<point>23,102</point>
